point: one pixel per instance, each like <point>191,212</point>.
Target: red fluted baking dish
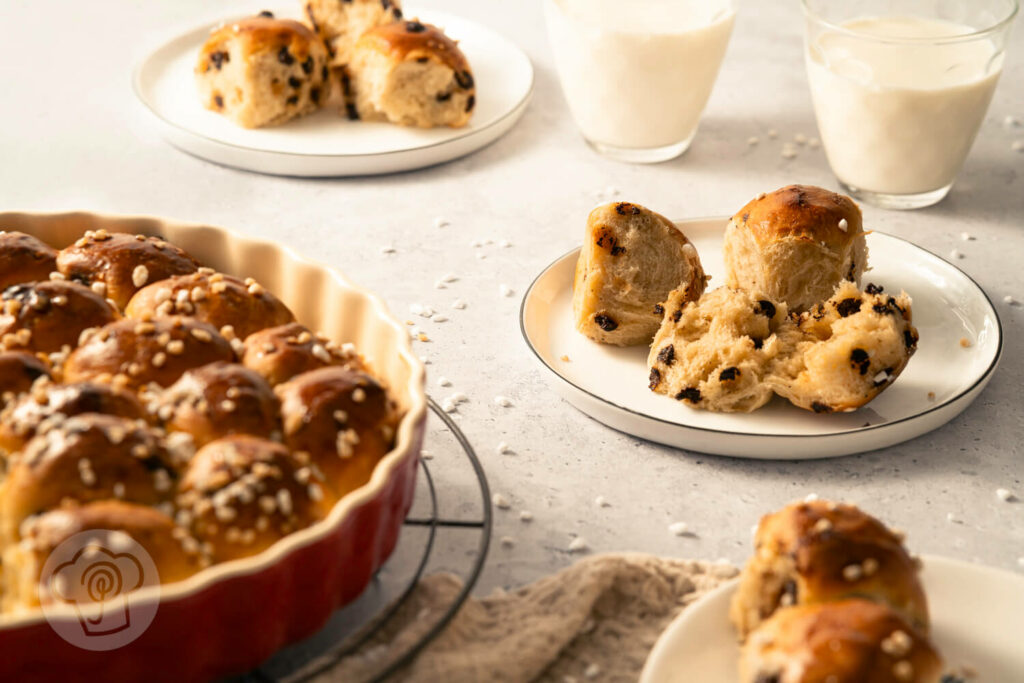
<point>229,618</point>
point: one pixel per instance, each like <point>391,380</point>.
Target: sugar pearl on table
<point>577,545</point>
<point>753,140</point>
<point>503,448</point>
<point>443,382</point>
<point>500,501</point>
<point>952,519</point>
<point>448,406</point>
<point>504,244</point>
<point>788,151</point>
<point>800,139</point>
<point>1009,300</point>
<point>810,497</point>
<point>505,290</point>
<point>955,254</point>
<point>1010,121</point>
<point>772,133</point>
<point>1017,146</point>
<point>502,401</point>
<point>440,318</point>
<point>508,541</point>
<point>814,143</point>
<point>1005,495</point>
<point>602,502</point>
<point>440,222</point>
<point>388,250</point>
<point>525,516</point>
<point>966,236</point>
<point>678,528</point>
<point>426,455</point>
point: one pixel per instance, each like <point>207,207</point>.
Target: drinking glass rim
<point>908,40</point>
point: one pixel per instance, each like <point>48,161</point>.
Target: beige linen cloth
<point>596,620</point>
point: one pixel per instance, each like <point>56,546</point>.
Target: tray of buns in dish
<point>325,88</point>
<point>833,594</point>
<point>244,421</point>
<point>787,330</point>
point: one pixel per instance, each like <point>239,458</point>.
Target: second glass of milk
<point>900,89</point>
<point>637,74</point>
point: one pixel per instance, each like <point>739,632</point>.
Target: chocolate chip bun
<point>118,264</point>
<point>218,299</point>
<point>242,494</point>
<point>341,24</point>
<point>341,421</point>
<point>133,353</point>
<point>282,352</point>
<point>175,555</point>
<point>23,258</point>
<point>853,347</point>
<point>795,245</point>
<point>83,459</point>
<point>631,259</point>
<point>50,403</point>
<point>814,552</point>
<point>263,71</point>
<point>715,353</point>
<point>409,73</point>
<point>18,371</point>
<point>218,400</point>
<point>850,641</point>
<point>50,315</point>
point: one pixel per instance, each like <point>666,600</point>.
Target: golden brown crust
<point>23,258</point>
<point>802,212</point>
<point>851,641</point>
<point>133,353</point>
<point>282,352</point>
<point>18,371</point>
<point>258,34</point>
<point>150,528</point>
<point>830,552</point>
<point>211,297</point>
<point>122,263</point>
<point>86,458</point>
<point>217,400</point>
<point>241,494</point>
<point>49,402</point>
<point>412,40</point>
<point>47,316</point>
<point>342,420</point>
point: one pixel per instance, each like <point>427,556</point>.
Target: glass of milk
<point>637,73</point>
<point>900,88</point>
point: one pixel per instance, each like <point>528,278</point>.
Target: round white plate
<point>976,621</point>
<point>610,383</point>
<point>326,143</point>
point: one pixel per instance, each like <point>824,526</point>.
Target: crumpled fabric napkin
<point>596,620</point>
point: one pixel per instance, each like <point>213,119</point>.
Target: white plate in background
<point>976,614</point>
<point>326,143</point>
<point>610,383</point>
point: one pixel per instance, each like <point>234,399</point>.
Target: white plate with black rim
<point>975,613</point>
<point>943,377</point>
<point>326,143</point>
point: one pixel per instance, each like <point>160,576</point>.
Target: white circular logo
<point>98,574</point>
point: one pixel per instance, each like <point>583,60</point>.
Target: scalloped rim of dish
<point>381,474</point>
<point>169,38</point>
<point>983,378</point>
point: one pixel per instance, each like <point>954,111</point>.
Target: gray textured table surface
<point>72,137</point>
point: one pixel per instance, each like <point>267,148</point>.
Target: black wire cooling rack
<point>439,534</point>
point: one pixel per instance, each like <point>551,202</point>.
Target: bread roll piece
<point>795,245</point>
<point>242,494</point>
<point>339,420</point>
<point>852,641</point>
<point>218,400</point>
<point>83,459</point>
<point>715,353</point>
<point>342,23</point>
<point>631,259</point>
<point>50,315</point>
<point>133,353</point>
<point>49,403</point>
<point>813,552</point>
<point>118,264</point>
<point>263,71</point>
<point>409,73</point>
<point>282,352</point>
<point>175,554</point>
<point>24,258</point>
<point>854,345</point>
<point>215,298</point>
